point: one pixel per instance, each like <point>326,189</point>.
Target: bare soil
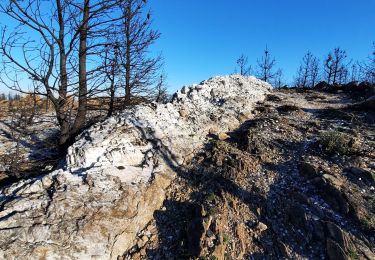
<point>275,189</point>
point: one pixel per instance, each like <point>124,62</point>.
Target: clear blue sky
<point>203,38</point>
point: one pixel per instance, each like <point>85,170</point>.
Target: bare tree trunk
<point>61,105</point>
<point>127,54</point>
<point>329,76</point>
<point>112,99</point>
<point>82,93</point>
<point>33,110</point>
<point>47,104</point>
<point>64,130</point>
<point>111,62</point>
<point>335,71</point>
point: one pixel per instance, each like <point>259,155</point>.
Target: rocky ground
<point>297,181</point>
<point>116,174</point>
<point>27,149</point>
<point>228,170</point>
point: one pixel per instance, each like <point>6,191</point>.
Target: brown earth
<point>295,182</point>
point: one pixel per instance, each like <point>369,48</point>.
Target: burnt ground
<point>297,181</point>
<point>27,150</point>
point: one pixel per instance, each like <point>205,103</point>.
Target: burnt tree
<point>161,90</point>
<point>53,52</point>
<point>140,70</point>
<point>266,67</point>
<point>368,68</point>
<point>308,71</point>
<point>242,63</point>
<point>335,67</point>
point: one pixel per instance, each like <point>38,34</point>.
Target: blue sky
<point>203,38</point>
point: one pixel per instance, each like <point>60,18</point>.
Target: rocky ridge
<point>117,174</point>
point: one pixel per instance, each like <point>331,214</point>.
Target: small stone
<point>213,130</point>
<point>183,113</point>
<point>244,116</point>
<point>223,136</point>
<point>261,227</point>
<point>48,168</point>
<point>333,180</point>
<point>143,252</point>
<point>47,182</point>
<point>142,242</point>
<point>212,93</point>
<point>308,170</point>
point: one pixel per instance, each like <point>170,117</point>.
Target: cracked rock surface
<point>117,173</point>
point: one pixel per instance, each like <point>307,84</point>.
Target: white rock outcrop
<point>117,173</point>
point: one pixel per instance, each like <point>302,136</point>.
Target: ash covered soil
<point>296,181</point>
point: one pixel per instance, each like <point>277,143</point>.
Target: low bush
<point>337,142</point>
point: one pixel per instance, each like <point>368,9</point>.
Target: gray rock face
<point>63,215</point>
<point>116,175</point>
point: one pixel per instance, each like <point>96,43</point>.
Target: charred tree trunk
<point>111,104</point>
<point>61,104</point>
<point>80,119</point>
<point>128,17</point>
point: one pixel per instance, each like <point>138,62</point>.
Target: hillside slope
<point>228,170</point>
<point>294,182</point>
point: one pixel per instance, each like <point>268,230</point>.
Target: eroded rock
<point>116,175</point>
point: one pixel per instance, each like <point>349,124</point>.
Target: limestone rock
<point>116,175</point>
<point>183,113</point>
<point>223,136</point>
<point>261,227</point>
<point>244,116</point>
<point>213,130</point>
<point>336,182</point>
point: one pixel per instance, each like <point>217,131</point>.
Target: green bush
<point>338,142</point>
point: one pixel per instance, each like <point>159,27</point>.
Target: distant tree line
<point>10,96</point>
<point>335,69</point>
